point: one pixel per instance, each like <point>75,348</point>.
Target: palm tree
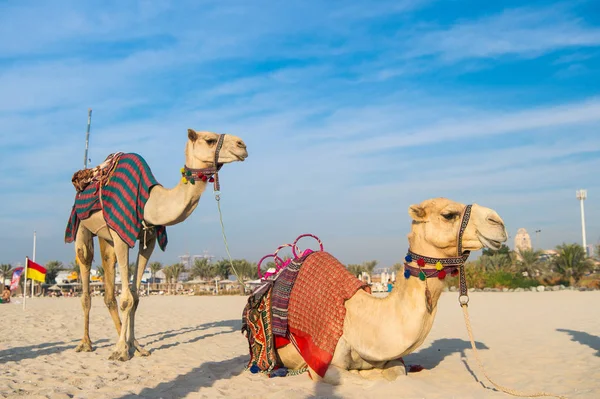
<point>6,271</point>
<point>397,266</point>
<point>246,270</point>
<point>223,268</point>
<point>100,272</point>
<point>155,267</point>
<point>52,269</point>
<point>496,262</point>
<point>176,271</point>
<point>356,269</point>
<point>370,266</point>
<point>168,271</point>
<point>203,269</point>
<point>572,262</point>
<point>528,260</point>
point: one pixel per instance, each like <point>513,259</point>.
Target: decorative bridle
<point>443,266</point>
<point>210,174</point>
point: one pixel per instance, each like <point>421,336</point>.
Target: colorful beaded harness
<point>210,174</point>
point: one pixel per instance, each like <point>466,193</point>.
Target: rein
<point>456,265</point>
<point>211,175</point>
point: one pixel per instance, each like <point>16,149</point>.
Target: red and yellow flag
<point>35,271</point>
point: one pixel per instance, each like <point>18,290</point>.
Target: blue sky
<point>351,112</point>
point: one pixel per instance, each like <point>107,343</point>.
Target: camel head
<point>201,146</point>
<point>436,223</point>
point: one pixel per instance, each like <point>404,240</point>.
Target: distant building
<point>522,240</point>
<point>590,250</point>
<point>188,260</point>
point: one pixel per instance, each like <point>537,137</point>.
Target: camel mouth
<point>490,243</point>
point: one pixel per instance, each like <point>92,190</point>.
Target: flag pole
<point>25,282</point>
<point>33,258</point>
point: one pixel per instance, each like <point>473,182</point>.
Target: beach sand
<point>529,341</point>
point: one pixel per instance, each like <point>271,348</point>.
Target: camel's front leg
<point>123,347</point>
<point>142,260</point>
<point>84,254</point>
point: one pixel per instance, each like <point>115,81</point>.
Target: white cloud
<point>523,32</point>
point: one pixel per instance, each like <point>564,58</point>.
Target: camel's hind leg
<point>109,260</point>
<point>84,254</point>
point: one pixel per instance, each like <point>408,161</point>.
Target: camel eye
<point>211,141</point>
<point>449,216</point>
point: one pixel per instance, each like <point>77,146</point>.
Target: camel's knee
<point>84,254</point>
<point>127,301</point>
<point>110,301</point>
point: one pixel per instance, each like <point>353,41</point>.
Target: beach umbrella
<point>54,288</point>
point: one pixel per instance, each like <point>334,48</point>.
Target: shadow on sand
<point>32,351</point>
<point>200,377</point>
<point>583,338</point>
<point>232,325</point>
<point>433,355</point>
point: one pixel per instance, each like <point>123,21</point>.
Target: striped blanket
<point>123,197</point>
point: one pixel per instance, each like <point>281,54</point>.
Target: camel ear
<point>192,135</point>
<point>417,213</point>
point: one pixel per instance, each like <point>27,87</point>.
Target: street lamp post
<point>537,239</point>
<point>581,196</point>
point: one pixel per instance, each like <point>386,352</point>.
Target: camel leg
<point>122,348</point>
<point>291,358</point>
<point>142,260</point>
<point>394,369</point>
<point>108,264</point>
<point>84,254</point>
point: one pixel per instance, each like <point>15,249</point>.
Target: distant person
<point>6,294</point>
<point>390,285</point>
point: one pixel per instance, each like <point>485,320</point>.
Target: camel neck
<point>166,207</point>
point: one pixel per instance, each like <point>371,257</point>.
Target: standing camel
<point>377,331</point>
<point>205,153</point>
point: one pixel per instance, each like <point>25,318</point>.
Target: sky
<point>351,111</point>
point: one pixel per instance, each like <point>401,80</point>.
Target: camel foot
<point>84,346</point>
<point>139,350</point>
<point>121,354</point>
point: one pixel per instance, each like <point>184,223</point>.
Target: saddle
<point>301,301</point>
<point>100,174</point>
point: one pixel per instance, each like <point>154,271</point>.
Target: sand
<point>530,341</point>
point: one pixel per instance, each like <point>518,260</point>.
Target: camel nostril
<point>241,144</point>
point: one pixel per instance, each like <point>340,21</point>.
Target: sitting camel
<point>205,153</point>
<point>377,332</point>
